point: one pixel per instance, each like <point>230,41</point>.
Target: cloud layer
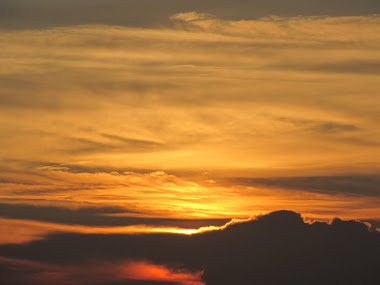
<point>125,123</point>
<point>342,252</point>
<point>279,94</point>
<point>48,13</point>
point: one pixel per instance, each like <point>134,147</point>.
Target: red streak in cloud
<point>152,272</point>
<point>95,273</point>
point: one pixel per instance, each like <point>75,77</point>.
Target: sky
<point>141,121</point>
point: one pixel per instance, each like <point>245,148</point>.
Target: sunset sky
<point>174,117</point>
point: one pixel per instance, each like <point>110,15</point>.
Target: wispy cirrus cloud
<point>349,184</point>
<point>153,119</point>
<point>115,198</point>
<point>198,92</point>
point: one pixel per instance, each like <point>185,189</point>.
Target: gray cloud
<point>333,127</point>
<point>77,168</point>
<point>320,126</point>
<point>353,66</point>
<point>340,132</point>
<point>47,13</point>
<point>37,94</point>
<point>350,184</point>
<point>30,166</point>
<point>116,144</point>
<point>128,141</point>
<point>358,141</point>
<point>96,216</point>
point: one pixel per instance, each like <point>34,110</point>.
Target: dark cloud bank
<point>49,13</point>
<point>278,248</point>
<point>101,216</point>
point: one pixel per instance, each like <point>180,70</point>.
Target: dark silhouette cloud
<point>278,248</point>
<point>48,13</point>
<point>375,224</point>
<point>140,282</point>
<point>96,216</point>
<point>19,272</point>
<point>282,249</point>
<point>350,184</point>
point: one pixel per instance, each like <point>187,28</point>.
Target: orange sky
<point>200,118</point>
<point>171,121</point>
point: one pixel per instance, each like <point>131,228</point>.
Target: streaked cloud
<point>159,121</point>
<point>354,184</point>
<point>159,198</point>
<point>133,131</point>
<point>192,16</point>
<point>49,13</point>
<point>203,91</point>
<point>97,216</point>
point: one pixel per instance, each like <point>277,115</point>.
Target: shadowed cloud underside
<point>342,252</point>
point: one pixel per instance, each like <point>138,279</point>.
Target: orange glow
<point>146,271</point>
<point>21,231</point>
<point>158,194</point>
<point>105,272</point>
<point>162,154</point>
<point>130,128</point>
